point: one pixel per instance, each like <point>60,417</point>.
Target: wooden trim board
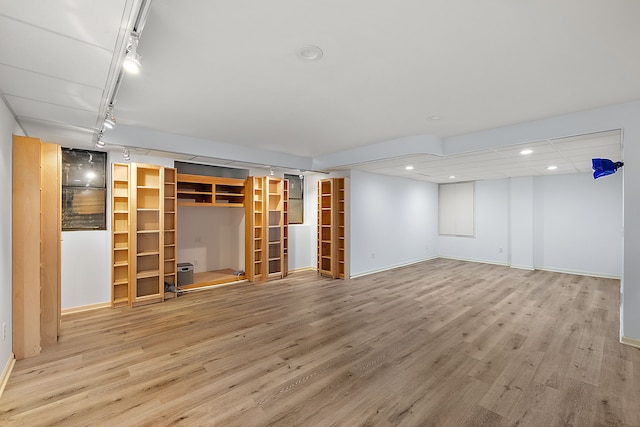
<point>6,372</point>
<point>26,246</point>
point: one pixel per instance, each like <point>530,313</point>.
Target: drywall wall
<point>490,243</point>
<point>578,225</point>
<point>521,222</point>
<point>393,222</point>
<point>546,222</point>
<point>211,238</point>
<point>86,273</point>
<point>630,293</point>
<point>7,127</point>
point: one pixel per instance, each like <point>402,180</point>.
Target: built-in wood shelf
<point>199,190</point>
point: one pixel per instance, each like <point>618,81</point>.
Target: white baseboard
<point>579,273</point>
<point>82,308</point>
<point>522,267</point>
<point>380,270</point>
<point>6,372</point>
<point>630,341</point>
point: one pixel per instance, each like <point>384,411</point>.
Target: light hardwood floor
<point>442,343</point>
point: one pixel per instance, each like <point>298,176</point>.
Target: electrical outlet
<point>4,331</point>
<point>195,262</point>
<point>500,250</point>
<point>373,256</point>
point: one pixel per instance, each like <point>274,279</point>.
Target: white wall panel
<point>491,239</point>
<point>86,275</point>
<point>521,220</point>
<point>393,221</point>
<point>7,126</point>
<point>581,226</point>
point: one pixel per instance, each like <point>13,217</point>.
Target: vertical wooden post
<point>26,246</point>
<point>50,244</point>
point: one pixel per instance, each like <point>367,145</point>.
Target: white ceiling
<point>568,155</point>
<point>226,71</point>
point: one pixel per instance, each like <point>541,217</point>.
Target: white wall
<point>630,293</point>
<point>393,222</point>
<point>554,222</point>
<point>211,238</point>
<point>8,126</point>
<point>521,220</point>
<point>491,240</point>
<point>579,224</point>
<point>86,272</point>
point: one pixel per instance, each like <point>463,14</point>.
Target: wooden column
<point>50,250</point>
<point>26,246</point>
<point>35,245</point>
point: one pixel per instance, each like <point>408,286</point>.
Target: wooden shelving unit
<point>198,190</point>
<point>143,233</point>
<point>266,230</point>
<point>170,224</point>
<point>148,242</point>
<point>285,239</point>
<point>331,234</point>
<point>340,222</point>
<point>120,241</point>
<point>254,228</point>
<point>325,227</point>
<point>275,225</point>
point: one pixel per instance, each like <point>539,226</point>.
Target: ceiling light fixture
<point>526,151</point>
<point>552,168</point>
<point>452,177</point>
<point>434,118</point>
<point>132,61</point>
<point>309,52</point>
<point>126,155</point>
<point>109,120</point>
<point>409,168</point>
<point>100,142</point>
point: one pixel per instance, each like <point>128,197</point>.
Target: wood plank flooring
<point>440,343</point>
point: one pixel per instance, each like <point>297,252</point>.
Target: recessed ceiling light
<point>309,52</point>
<point>434,118</point>
<point>552,168</point>
<point>409,168</point>
<point>526,151</point>
<point>452,177</point>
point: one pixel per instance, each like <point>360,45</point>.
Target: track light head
<point>271,172</point>
<point>125,154</point>
<point>100,142</point>
<point>132,61</point>
<point>109,120</point>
